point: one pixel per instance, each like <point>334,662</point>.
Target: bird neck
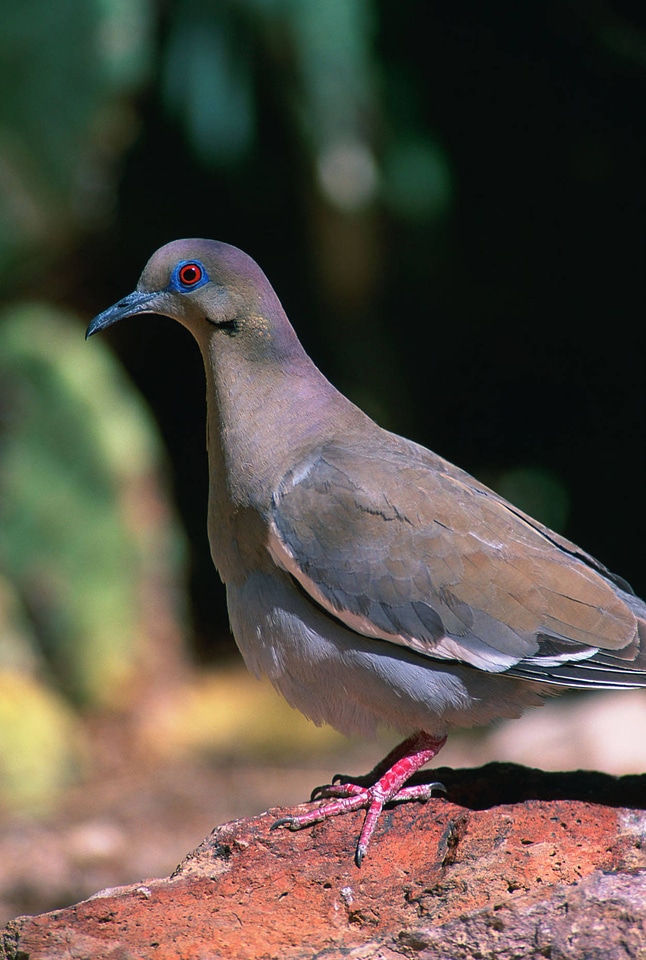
<point>262,417</point>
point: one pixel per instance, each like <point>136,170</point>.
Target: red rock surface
<point>516,864</point>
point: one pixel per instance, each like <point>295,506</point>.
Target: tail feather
<point>602,669</point>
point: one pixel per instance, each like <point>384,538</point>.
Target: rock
<point>517,863</point>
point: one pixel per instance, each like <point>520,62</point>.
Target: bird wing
<point>400,546</point>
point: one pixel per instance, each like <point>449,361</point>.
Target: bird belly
<point>355,683</point>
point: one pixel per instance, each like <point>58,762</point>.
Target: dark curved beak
<point>137,302</point>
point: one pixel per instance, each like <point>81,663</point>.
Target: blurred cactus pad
<point>88,542</point>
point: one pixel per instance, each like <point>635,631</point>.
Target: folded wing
<point>401,546</point>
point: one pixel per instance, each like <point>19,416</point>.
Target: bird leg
<point>384,784</point>
<point>409,746</point>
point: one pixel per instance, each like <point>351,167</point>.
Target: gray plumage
<point>372,581</point>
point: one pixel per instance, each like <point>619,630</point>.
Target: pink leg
<point>403,749</point>
<point>384,785</point>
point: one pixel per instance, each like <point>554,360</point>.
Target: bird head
<point>208,287</point>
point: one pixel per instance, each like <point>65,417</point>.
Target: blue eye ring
<point>188,275</point>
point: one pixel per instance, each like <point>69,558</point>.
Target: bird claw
<point>319,792</point>
<point>384,785</point>
<point>324,790</point>
<point>289,822</point>
<point>336,789</point>
<point>420,792</point>
<point>347,797</point>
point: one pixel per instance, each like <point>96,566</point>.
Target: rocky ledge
<point>514,863</point>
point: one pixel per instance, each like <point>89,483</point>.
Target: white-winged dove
<point>373,582</point>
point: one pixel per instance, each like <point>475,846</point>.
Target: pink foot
<point>385,784</point>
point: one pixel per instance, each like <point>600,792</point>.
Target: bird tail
<point>602,670</point>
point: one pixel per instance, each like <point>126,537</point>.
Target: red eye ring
<point>190,274</point>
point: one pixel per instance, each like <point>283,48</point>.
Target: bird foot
<point>346,794</point>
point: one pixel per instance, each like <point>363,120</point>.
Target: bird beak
<point>137,302</point>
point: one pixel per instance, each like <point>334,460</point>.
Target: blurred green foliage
<point>41,743</point>
<point>65,70</point>
<point>74,438</point>
<point>78,452</point>
<point>323,56</point>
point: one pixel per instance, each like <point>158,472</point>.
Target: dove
<point>373,582</point>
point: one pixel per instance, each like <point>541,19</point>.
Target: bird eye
<point>190,274</point>
<point>187,276</point>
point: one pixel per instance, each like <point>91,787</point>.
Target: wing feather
<point>403,547</point>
